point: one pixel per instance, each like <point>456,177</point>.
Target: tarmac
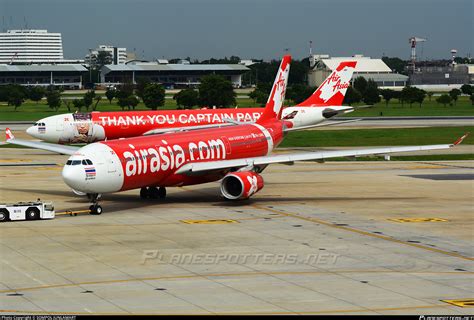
<point>332,238</point>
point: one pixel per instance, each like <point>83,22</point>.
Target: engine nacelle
<point>241,185</point>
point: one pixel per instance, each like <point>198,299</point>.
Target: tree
<point>132,102</point>
<point>78,104</point>
<point>101,59</point>
<point>471,97</point>
<point>67,103</point>
<point>154,96</point>
<point>396,64</point>
<point>258,97</point>
<point>97,100</point>
<point>299,93</point>
<point>15,96</point>
<point>215,90</point>
<point>429,94</point>
<point>36,93</point>
<point>454,94</point>
<point>371,94</point>
<point>53,98</point>
<point>88,98</point>
<point>110,94</point>
<point>408,94</point>
<point>444,99</point>
<point>387,95</point>
<point>140,86</point>
<point>419,95</point>
<point>360,84</point>
<point>352,96</point>
<point>187,98</point>
<point>467,89</point>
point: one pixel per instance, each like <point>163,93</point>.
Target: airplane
<point>79,128</point>
<point>236,155</point>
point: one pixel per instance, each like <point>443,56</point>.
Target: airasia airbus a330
<point>236,154</point>
<point>324,104</point>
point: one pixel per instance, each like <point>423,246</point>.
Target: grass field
<point>32,111</point>
<point>376,137</point>
<point>463,107</point>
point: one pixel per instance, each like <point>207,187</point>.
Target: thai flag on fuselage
<point>41,129</point>
<point>90,171</point>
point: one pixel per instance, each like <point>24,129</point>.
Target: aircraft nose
<point>73,176</point>
<point>32,131</point>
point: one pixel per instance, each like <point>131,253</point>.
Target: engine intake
<point>241,185</point>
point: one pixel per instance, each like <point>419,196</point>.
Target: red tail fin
<point>332,91</point>
<point>273,108</point>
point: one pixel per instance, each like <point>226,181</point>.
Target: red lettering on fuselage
<point>132,124</point>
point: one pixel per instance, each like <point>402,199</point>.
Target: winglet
<point>8,134</point>
<point>460,140</point>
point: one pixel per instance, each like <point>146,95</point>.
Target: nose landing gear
<point>153,193</point>
<point>95,208</point>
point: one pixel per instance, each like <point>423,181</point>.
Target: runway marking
<point>463,303</point>
<point>241,274</point>
<point>211,221</point>
<point>240,312</point>
<point>403,220</point>
<point>330,224</point>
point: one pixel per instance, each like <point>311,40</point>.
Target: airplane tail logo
<point>332,91</point>
<point>273,108</point>
<point>9,134</point>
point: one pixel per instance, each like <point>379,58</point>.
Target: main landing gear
<point>153,193</point>
<point>95,208</point>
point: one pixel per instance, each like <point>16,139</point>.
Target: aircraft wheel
<point>144,193</point>
<point>95,209</point>
<point>154,192</point>
<point>162,192</point>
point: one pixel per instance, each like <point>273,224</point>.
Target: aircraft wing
<point>323,124</point>
<point>199,167</point>
<point>57,148</point>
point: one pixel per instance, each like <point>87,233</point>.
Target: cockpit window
<point>84,162</point>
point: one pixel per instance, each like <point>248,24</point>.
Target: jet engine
<point>241,185</point>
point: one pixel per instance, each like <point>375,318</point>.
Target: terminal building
<point>322,65</point>
<point>31,46</point>
<point>67,76</point>
<point>170,75</point>
<point>441,77</point>
<point>118,55</point>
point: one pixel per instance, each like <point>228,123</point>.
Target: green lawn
<point>376,137</point>
<point>463,107</point>
<point>431,157</point>
<point>32,111</point>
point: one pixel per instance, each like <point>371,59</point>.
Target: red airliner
<point>236,154</point>
<point>324,104</point>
